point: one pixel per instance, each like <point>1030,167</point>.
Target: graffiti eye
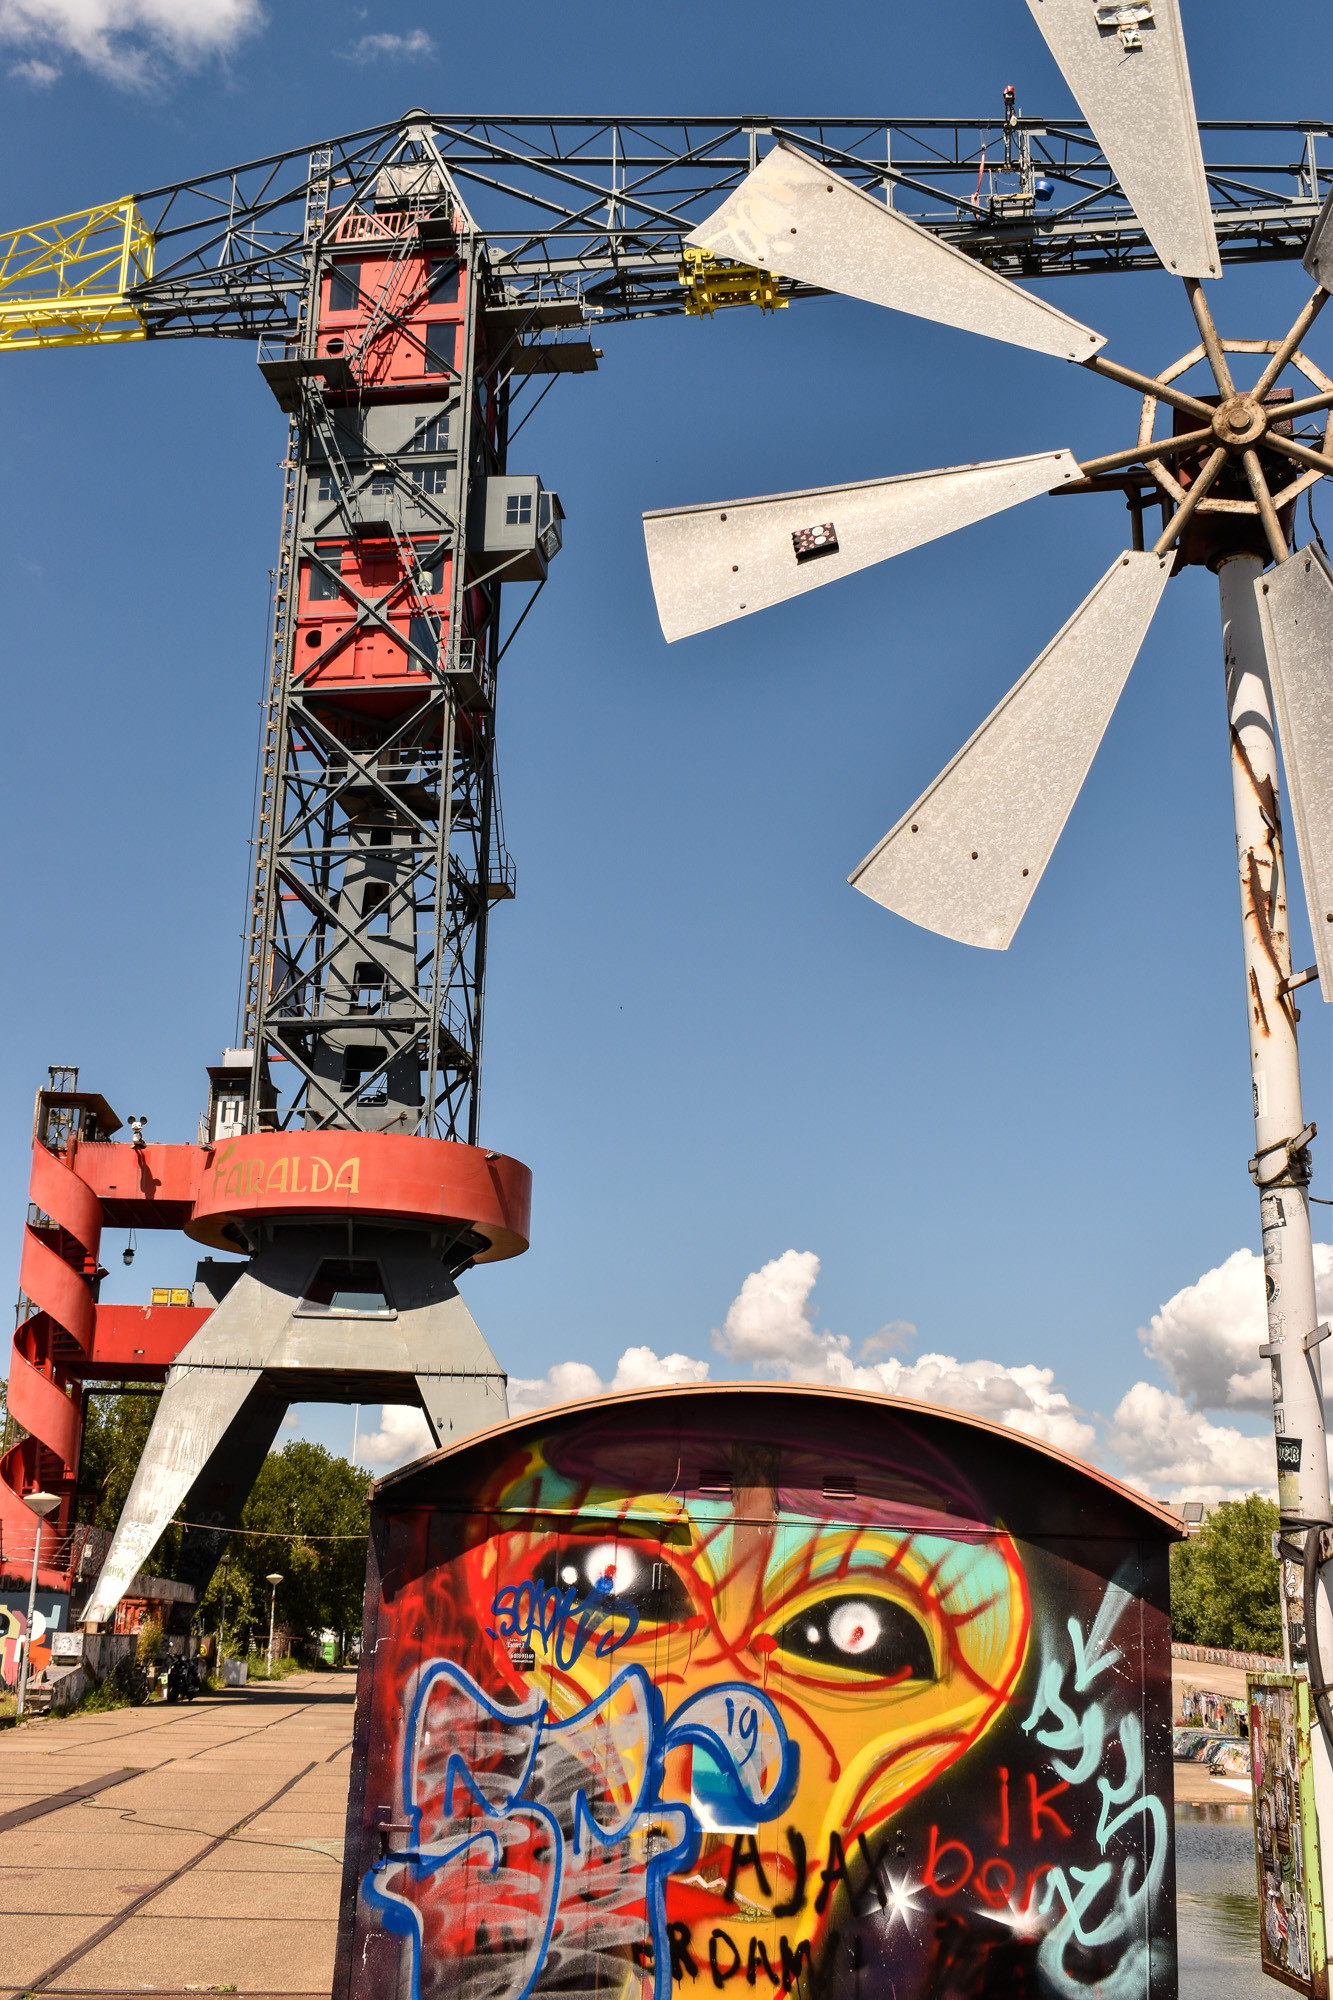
<point>615,1575</point>
<point>867,1635</point>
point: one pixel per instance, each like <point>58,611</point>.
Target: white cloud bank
<point>770,1332</point>
<point>1166,1447</point>
<point>403,1434</point>
<point>1207,1337</point>
<point>125,41</point>
<point>1159,1439</point>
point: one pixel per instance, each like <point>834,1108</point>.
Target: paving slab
<point>255,1912</point>
<point>118,1846</point>
<point>85,1893</point>
<point>250,1896</point>
<point>28,1944</point>
<point>243,1856</point>
<point>286,1955</point>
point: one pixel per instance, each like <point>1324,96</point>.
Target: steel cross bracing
<point>597,207</point>
<point>378,846</point>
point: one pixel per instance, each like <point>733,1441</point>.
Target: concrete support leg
<point>198,1410</point>
<point>359,1311</point>
<point>220,1491</point>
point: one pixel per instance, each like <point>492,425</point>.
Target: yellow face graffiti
<point>883,1652</point>
<point>817,1721</point>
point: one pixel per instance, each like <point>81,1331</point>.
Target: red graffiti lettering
<point>996,1893</point>
<point>1003,1776</point>
<point>1039,1809</point>
<point>936,1855</point>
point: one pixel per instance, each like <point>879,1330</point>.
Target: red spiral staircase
<point>82,1183</point>
<point>52,1343</point>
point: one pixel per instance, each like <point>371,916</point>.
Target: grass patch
<point>283,1668</point>
<point>101,1696</point>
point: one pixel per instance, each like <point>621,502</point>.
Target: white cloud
<point>771,1319</point>
<point>415,46</point>
<point>1207,1337</point>
<point>576,1382</point>
<point>770,1332</point>
<point>1023,1398</point>
<point>1166,1447</point>
<point>771,1325</point>
<point>403,1434</point>
<point>123,40</point>
<point>1204,1337</point>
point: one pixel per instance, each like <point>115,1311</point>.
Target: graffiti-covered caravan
<point>777,1689</point>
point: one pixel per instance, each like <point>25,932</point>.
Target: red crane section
<point>81,1182</point>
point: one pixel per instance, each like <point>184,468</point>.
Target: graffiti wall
<point>1291,1935</point>
<point>771,1689</point>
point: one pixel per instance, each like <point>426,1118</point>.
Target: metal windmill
<point>968,855</point>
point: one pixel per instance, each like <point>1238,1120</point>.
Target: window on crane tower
<point>433,435</point>
<point>431,568</point>
<point>518,510</point>
<point>440,337</point>
<point>349,1287</point>
<point>422,636</point>
<point>323,587</point>
<point>430,478</point>
<point>442,289</point>
<point>345,288</point>
<point>369,989</point>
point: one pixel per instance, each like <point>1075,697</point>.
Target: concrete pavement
<point>217,1866</point>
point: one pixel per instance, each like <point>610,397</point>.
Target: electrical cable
<point>269,1534</point>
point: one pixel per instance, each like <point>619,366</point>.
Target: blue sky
<point>713,1054</point>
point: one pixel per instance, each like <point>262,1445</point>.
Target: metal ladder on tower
<point>282,612</point>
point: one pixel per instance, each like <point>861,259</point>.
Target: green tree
<point>1225,1585</point>
<point>307,1518</point>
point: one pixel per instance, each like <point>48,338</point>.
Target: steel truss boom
<point>598,206</point>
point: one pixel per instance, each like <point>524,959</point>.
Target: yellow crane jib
<point>711,282</point>
<point>66,283</point>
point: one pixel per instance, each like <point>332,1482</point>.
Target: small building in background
<point>765,1686</point>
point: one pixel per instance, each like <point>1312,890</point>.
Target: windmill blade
<point>967,857</point>
<point>1296,613</point>
<point>1318,258</point>
<point>1125,62</point>
<point>724,560</point>
<point>793,216</point>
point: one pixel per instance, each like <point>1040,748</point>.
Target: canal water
<point>1217,1905</point>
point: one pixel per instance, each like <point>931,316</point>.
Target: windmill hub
<point>1240,421</point>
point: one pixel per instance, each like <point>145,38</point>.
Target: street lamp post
<point>41,1504</point>
<point>274,1579</point>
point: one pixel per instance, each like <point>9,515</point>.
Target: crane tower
<point>338,1154</point>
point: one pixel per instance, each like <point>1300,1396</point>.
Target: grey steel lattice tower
<point>378,845</point>
<point>378,855</point>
